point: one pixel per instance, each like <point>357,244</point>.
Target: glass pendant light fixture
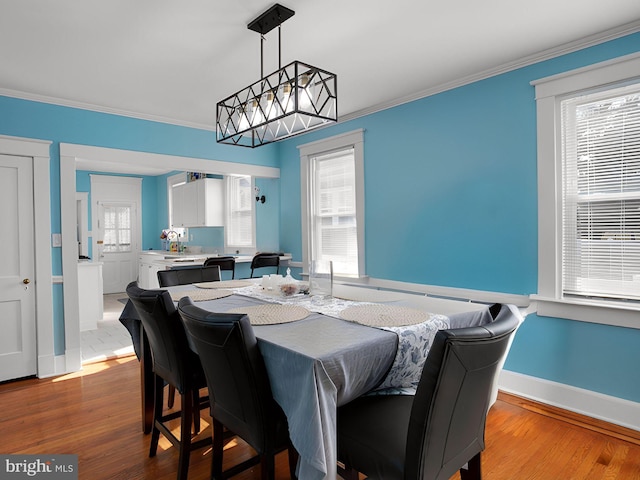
<point>294,99</point>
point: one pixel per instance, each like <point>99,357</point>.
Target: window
<point>333,203</point>
<point>601,182</point>
<point>117,228</point>
<point>589,193</point>
<point>239,231</point>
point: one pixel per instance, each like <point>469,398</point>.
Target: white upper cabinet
<point>199,203</point>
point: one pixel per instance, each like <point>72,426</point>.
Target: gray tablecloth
<point>314,366</point>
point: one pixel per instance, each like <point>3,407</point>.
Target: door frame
<point>133,184</point>
<point>38,152</point>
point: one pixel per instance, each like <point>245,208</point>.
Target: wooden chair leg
<point>157,414</point>
<point>268,467</point>
<point>293,462</point>
<point>185,435</point>
<point>217,449</point>
<point>473,471</point>
<point>171,396</point>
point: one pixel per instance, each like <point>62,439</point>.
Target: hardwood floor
<point>96,415</point>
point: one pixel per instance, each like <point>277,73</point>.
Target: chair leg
<point>171,396</point>
<point>348,473</point>
<point>268,467</point>
<point>196,410</point>
<point>157,413</point>
<point>217,449</point>
<point>185,435</point>
<point>473,470</point>
<point>293,461</point>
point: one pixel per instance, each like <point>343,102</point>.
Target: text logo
<point>51,467</point>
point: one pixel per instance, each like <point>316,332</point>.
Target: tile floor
<point>111,339</point>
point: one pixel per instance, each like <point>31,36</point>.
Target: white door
<point>17,290</point>
<point>116,245</point>
<point>116,229</point>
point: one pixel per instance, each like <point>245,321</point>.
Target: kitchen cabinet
<point>198,204</point>
<point>90,288</point>
<point>148,272</point>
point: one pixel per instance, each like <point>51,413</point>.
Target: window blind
<point>601,194</point>
<point>334,228</point>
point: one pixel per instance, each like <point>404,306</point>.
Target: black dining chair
<point>225,263</point>
<point>239,389</point>
<point>175,364</point>
<point>185,276</point>
<point>262,260</point>
<point>438,431</point>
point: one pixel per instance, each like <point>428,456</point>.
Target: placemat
<point>200,295</point>
<point>375,315</point>
<point>224,284</point>
<point>272,313</point>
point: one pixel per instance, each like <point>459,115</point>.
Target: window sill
<point>617,314</point>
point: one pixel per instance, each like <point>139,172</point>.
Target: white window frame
<point>249,249</point>
<point>172,181</point>
<point>355,140</point>
<point>550,92</point>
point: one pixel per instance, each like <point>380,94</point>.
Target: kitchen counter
<point>174,259</point>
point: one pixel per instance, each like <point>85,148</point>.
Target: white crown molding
<point>564,49</point>
<point>63,102</point>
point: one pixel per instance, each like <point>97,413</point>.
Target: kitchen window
<point>333,203</point>
<point>589,193</point>
<point>239,231</point>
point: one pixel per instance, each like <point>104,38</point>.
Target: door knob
<point>26,281</point>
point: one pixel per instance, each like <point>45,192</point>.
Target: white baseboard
<point>585,402</point>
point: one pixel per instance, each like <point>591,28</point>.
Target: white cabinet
<point>148,272</point>
<point>90,289</point>
<point>198,204</point>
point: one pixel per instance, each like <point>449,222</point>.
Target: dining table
<point>320,352</point>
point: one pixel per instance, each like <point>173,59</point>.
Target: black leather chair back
<point>225,263</point>
<point>172,357</point>
<point>185,276</point>
<point>439,430</point>
<point>448,416</point>
<point>261,260</point>
<point>239,388</point>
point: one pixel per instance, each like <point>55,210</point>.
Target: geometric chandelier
<point>294,99</point>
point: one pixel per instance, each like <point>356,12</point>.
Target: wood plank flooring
<point>95,414</point>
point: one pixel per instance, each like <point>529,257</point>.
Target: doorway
<point>116,228</point>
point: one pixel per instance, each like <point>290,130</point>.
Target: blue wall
<point>22,118</point>
<point>451,199</point>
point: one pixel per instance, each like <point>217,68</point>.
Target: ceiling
<point>173,61</point>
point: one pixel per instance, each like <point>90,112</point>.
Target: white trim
<point>83,198</point>
<point>38,150</point>
<point>73,354</point>
<point>564,49</point>
<point>549,92</point>
<point>480,296</point>
<point>549,54</point>
<point>585,402</point>
<point>68,155</point>
<point>63,102</point>
<point>599,74</point>
<point>618,314</point>
<point>354,138</point>
<point>146,159</point>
